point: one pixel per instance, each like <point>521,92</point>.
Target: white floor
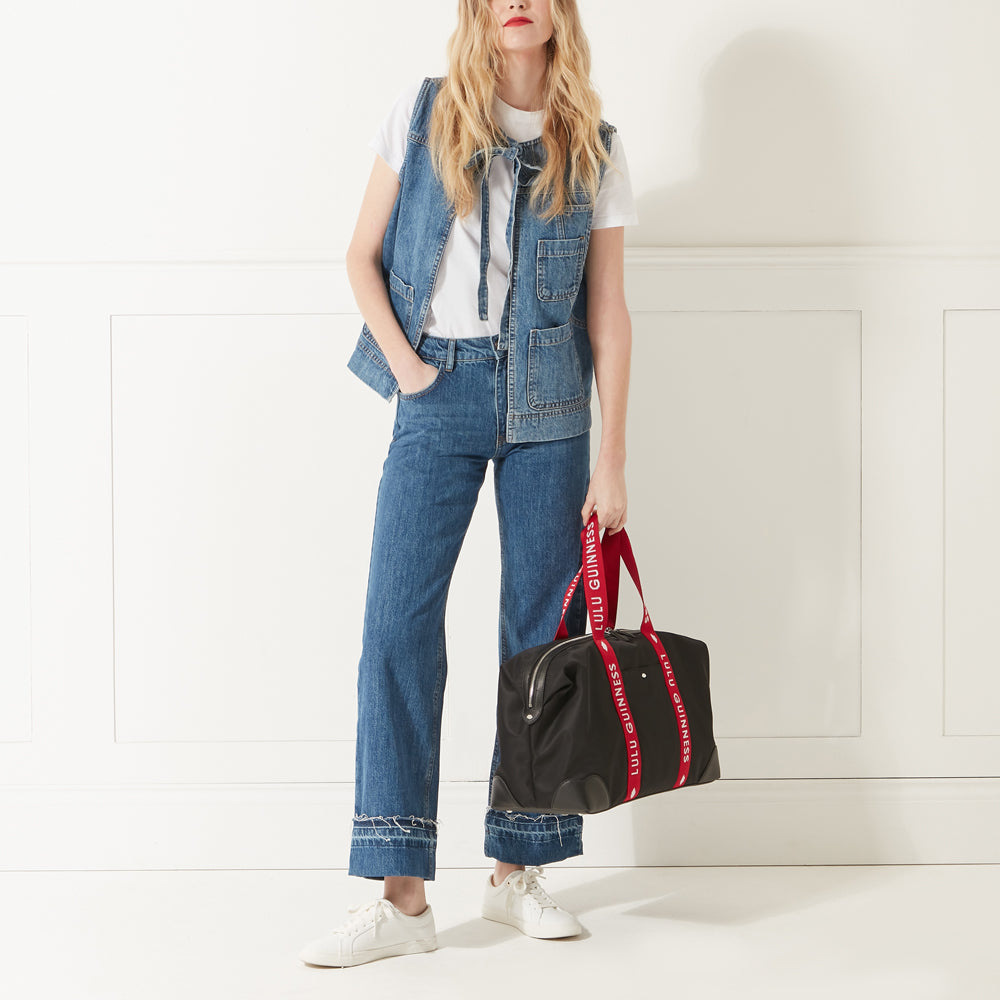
<point>898,932</point>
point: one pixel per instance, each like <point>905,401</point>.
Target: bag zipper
<point>536,671</point>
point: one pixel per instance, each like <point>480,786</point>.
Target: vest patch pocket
<point>554,376</point>
<point>401,297</point>
<point>559,268</point>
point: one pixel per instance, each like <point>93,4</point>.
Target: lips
<point>515,21</point>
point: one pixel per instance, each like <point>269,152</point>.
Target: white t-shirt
<point>454,308</point>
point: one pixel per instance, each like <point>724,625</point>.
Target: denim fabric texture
<point>543,326</point>
<point>443,438</point>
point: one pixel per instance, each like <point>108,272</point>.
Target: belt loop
<point>449,364</point>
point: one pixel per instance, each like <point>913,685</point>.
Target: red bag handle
<point>611,550</point>
<point>610,558</point>
<point>612,554</point>
<point>601,589</point>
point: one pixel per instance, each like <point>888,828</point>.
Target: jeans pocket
<point>435,382</point>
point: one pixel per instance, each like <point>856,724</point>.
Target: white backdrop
<point>189,470</point>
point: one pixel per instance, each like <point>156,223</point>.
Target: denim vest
<point>543,326</point>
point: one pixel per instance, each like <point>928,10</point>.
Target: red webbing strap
<point>618,548</point>
<point>597,604</point>
<point>611,549</point>
<point>683,727</point>
<point>611,552</point>
<point>562,632</point>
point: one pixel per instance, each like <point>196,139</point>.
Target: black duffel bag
<point>589,722</point>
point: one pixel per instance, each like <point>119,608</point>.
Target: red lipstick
<point>515,21</point>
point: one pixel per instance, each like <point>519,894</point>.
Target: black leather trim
<point>500,796</point>
<point>711,771</point>
<point>587,796</point>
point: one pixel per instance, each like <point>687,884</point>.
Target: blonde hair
<point>461,119</point>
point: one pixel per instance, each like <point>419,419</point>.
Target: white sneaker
<point>519,900</point>
<point>376,930</point>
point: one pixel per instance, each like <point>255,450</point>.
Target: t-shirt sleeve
<point>390,140</point>
<point>615,204</point>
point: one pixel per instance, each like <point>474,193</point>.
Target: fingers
<point>613,518</point>
<point>614,522</point>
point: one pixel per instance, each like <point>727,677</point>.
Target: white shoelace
<point>526,882</point>
<point>371,912</point>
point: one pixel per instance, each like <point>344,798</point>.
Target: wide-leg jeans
<point>443,438</point>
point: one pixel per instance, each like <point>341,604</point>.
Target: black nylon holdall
<point>588,722</point>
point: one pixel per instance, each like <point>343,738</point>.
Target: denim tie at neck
<point>524,173</point>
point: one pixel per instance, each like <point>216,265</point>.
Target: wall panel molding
<point>891,304</point>
<point>635,256</point>
<point>824,822</point>
<point>15,532</point>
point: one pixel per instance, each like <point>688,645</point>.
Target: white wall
<point>189,470</point>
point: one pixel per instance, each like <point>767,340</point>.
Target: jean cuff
<point>523,839</point>
<point>394,845</point>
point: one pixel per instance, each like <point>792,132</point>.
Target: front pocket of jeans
<point>559,268</point>
<point>554,375</point>
<point>435,382</point>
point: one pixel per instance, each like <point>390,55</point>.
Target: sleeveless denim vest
<point>543,326</point>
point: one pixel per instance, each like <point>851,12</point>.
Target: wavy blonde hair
<point>461,119</point>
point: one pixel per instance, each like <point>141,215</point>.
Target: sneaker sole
<point>519,924</point>
<point>406,948</point>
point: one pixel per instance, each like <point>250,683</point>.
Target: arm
<point>610,328</point>
<point>364,272</point>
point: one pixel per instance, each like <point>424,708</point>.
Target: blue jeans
<point>442,440</point>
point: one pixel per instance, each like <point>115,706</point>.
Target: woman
<point>488,264</point>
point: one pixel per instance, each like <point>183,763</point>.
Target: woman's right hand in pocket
<point>417,376</point>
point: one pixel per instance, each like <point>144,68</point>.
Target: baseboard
<point>306,826</point>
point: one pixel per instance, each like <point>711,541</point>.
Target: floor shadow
<point>722,895</point>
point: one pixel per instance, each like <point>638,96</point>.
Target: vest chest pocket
<point>401,297</point>
<point>559,268</point>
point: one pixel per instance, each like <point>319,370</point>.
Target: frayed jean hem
<point>549,839</point>
<point>393,845</point>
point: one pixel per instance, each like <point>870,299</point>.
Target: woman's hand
<point>607,494</point>
<point>417,376</point>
